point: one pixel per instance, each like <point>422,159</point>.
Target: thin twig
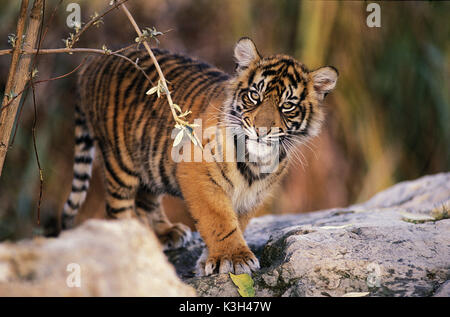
<point>160,73</point>
<point>61,50</point>
<point>41,40</point>
<point>77,50</point>
<point>155,62</point>
<point>51,19</point>
<point>21,106</point>
<point>41,176</point>
<point>96,19</point>
<point>39,82</point>
<point>33,129</point>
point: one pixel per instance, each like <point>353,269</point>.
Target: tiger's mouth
<point>261,147</point>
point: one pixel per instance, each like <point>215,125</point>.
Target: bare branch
<point>96,19</point>
<point>163,81</point>
<point>73,50</point>
<point>21,74</point>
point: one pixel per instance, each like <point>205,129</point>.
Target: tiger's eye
<point>288,107</point>
<point>253,96</point>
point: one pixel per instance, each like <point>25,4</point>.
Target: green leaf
<point>245,283</point>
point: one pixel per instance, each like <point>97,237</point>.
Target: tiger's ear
<point>324,79</point>
<point>245,53</point>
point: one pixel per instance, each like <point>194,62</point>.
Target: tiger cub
<point>269,101</point>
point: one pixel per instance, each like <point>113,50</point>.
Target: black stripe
<point>228,235</point>
<point>81,177</point>
<point>146,139</point>
<point>110,170</point>
<point>251,77</point>
<point>117,152</point>
<point>86,140</point>
<point>282,156</point>
<point>72,205</point>
<point>222,172</point>
<point>246,172</point>
<point>189,66</point>
<point>111,210</point>
<point>78,110</point>
<point>303,94</point>
<point>80,121</point>
<point>134,87</point>
<point>298,78</point>
<point>122,72</point>
<point>270,72</point>
<point>174,72</point>
<point>147,206</point>
<point>140,94</point>
<point>146,146</point>
<point>79,189</point>
<point>101,95</point>
<point>162,171</point>
<point>308,120</point>
<point>83,139</point>
<point>83,160</point>
<point>189,82</point>
<point>212,180</point>
<point>102,83</point>
<point>292,80</point>
<point>95,80</point>
<point>277,63</point>
<point>117,195</point>
<point>206,81</point>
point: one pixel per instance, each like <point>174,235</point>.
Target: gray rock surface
<point>113,258</point>
<point>395,244</point>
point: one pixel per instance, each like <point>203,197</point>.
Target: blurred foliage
<point>388,119</point>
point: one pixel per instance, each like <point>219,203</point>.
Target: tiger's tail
<point>82,169</point>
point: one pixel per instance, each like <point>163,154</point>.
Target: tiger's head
<point>276,99</point>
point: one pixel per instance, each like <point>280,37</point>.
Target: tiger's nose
<point>263,131</point>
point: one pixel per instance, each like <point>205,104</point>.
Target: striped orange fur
<point>269,99</point>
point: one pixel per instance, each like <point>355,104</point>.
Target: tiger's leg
<point>121,190</point>
<point>243,221</point>
<point>219,227</point>
<point>150,210</point>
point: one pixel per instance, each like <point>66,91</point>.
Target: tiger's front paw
<point>242,261</point>
<point>175,237</point>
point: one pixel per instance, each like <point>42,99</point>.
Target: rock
<point>114,258</point>
<point>395,244</point>
<point>443,291</point>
